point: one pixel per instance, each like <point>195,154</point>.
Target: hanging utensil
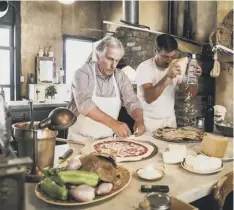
<point>31,115</point>
<point>216,68</point>
<point>59,119</point>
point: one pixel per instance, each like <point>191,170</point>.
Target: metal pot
<point>46,140</point>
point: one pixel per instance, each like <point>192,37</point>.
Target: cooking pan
<point>225,130</point>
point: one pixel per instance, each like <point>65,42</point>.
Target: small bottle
<point>209,115</point>
<point>50,52</point>
<point>40,53</point>
<point>61,73</point>
<point>46,52</point>
<point>32,78</point>
<point>192,78</point>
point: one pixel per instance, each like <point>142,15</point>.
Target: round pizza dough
<point>123,150</point>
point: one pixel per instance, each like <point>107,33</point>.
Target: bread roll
<point>182,62</point>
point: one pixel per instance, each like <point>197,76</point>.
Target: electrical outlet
<point>22,79</point>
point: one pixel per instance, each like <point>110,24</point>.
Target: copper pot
<point>46,140</point>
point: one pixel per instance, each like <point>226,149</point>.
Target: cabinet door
<point>40,92</point>
<point>37,92</point>
<point>67,89</point>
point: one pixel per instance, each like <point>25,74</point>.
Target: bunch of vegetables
<point>72,183</point>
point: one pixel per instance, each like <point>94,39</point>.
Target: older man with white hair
<point>98,88</point>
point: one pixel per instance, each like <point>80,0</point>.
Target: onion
<point>73,164</point>
<point>104,188</point>
<point>83,193</point>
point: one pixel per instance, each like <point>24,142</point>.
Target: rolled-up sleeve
<point>82,90</point>
<point>129,97</point>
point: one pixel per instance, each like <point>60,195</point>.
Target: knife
<point>65,156</point>
<point>155,188</point>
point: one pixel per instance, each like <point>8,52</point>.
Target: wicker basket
<point>223,34</point>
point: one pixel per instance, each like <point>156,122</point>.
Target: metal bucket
<point>46,140</point>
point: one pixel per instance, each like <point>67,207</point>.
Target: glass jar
<point>201,123</point>
<point>159,201</point>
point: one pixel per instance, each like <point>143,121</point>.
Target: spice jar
<point>40,53</point>
<point>159,201</point>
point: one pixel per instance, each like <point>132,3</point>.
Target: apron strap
<point>117,93</point>
<point>95,79</point>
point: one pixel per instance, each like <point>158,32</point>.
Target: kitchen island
<point>183,184</point>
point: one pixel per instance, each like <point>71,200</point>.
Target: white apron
<point>160,113</point>
<point>87,129</point>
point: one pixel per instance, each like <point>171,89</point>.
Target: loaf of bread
<point>182,62</point>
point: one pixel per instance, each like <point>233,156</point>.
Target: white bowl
<point>156,178</point>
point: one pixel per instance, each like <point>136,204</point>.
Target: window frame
<point>11,49</point>
<point>71,37</point>
<point>13,20</point>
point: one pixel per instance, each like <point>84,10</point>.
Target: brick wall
<point>139,45</point>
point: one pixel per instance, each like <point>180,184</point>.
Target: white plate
<point>227,156</point>
<point>189,152</point>
<point>188,168</point>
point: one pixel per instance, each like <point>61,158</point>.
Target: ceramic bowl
<point>160,171</point>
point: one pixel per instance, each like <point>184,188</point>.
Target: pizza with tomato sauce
<point>124,150</point>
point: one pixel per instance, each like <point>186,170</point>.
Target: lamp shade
<point>4,6</point>
<point>66,1</point>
